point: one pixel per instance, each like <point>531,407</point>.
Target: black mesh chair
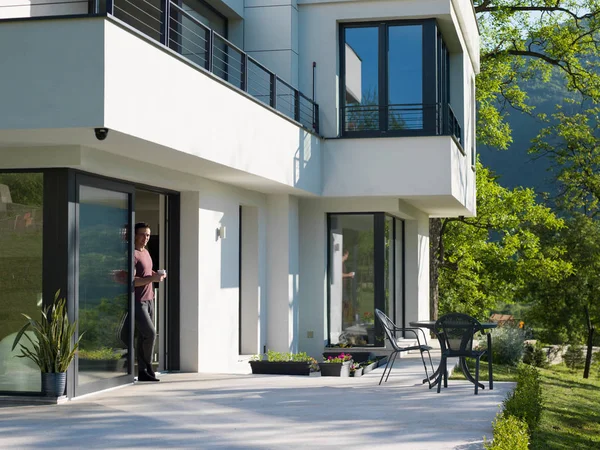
<point>391,331</point>
<point>455,332</point>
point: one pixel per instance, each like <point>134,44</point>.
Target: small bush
<point>507,345</point>
<point>525,402</point>
<point>535,355</point>
<point>510,433</point>
<point>573,357</point>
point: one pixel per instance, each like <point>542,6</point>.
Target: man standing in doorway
<point>144,302</point>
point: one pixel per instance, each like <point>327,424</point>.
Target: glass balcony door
<point>103,284</point>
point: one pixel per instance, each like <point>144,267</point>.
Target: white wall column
<point>313,271</point>
<point>282,273</point>
<point>271,36</point>
<point>417,268</point>
<point>189,284</point>
<point>250,288</point>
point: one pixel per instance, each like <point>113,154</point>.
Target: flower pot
<point>53,384</point>
<point>335,369</point>
<point>280,368</point>
<point>357,372</point>
<point>368,368</point>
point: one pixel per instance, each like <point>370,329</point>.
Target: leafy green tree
<point>572,146</point>
<point>523,40</point>
<point>555,41</point>
<point>493,257</point>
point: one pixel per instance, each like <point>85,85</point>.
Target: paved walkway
<point>264,412</point>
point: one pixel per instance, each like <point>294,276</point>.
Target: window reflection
<point>21,226</point>
<point>103,286</point>
<point>405,77</point>
<point>362,78</point>
<point>384,86</point>
<point>352,293</point>
<point>355,240</point>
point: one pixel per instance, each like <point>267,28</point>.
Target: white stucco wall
<point>271,36</point>
<point>98,74</point>
<point>282,273</point>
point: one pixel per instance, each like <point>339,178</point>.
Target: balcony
<point>400,120</point>
<point>180,31</point>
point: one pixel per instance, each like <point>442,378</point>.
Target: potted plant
<point>51,346</point>
<point>336,366</point>
<point>278,363</point>
<point>356,370</point>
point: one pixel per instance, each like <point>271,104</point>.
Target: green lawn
<point>571,415</point>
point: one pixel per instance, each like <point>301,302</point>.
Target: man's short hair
<point>140,225</point>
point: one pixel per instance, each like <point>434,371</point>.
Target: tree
<point>494,256</point>
<point>523,40</point>
<point>526,39</point>
<point>572,146</point>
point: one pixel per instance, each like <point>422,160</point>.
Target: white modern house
<point>287,155</point>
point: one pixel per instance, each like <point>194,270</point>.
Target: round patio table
<point>435,379</point>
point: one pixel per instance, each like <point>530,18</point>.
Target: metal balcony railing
<point>408,119</point>
<point>178,28</point>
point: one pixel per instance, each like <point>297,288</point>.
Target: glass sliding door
<point>21,227</point>
<point>351,278</point>
<point>104,224</point>
<point>365,273</point>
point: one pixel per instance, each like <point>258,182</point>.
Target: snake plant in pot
<point>50,345</point>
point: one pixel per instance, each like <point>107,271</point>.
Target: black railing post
<point>165,19</point>
<point>110,7</point>
<point>245,72</point>
<point>316,118</point>
<point>210,42</point>
<point>297,105</point>
<point>273,91</point>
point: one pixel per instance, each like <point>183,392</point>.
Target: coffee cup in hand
<point>162,272</point>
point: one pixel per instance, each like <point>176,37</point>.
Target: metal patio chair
<point>455,332</point>
<point>391,331</point>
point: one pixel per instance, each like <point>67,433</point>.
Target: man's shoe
<point>145,376</point>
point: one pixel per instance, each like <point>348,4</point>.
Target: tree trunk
<point>435,239</point>
<point>590,341</point>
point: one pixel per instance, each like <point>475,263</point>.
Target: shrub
<point>573,357</point>
<point>525,402</point>
<point>510,433</point>
<point>535,355</point>
<point>507,345</point>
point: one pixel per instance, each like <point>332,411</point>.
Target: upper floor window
<point>206,14</point>
<point>395,79</point>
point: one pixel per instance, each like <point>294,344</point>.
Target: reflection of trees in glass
<point>102,251</point>
<point>364,116</point>
<point>20,249</point>
<point>100,323</point>
<point>25,188</point>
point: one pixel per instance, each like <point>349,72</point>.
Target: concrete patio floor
<point>210,411</point>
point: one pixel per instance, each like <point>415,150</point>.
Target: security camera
<point>101,133</point>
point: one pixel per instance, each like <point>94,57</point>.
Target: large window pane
<point>352,288</point>
<point>21,224</point>
<point>103,285</point>
<point>361,112</point>
<point>405,77</point>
